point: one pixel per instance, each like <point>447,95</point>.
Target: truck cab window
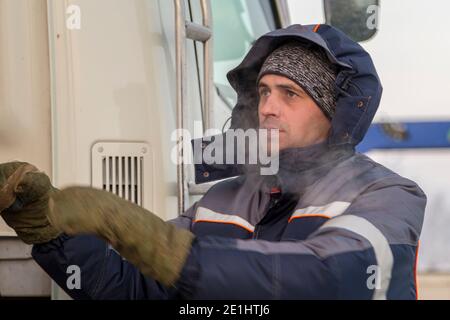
<point>237,24</point>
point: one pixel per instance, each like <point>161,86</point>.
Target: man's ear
<point>329,130</point>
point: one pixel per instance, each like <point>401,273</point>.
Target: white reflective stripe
<point>330,210</point>
<point>383,252</point>
<point>204,214</point>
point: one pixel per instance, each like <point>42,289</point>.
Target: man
<point>331,224</point>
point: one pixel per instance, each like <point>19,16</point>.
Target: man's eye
<point>291,94</point>
<point>263,92</point>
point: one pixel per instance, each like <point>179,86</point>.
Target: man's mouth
<point>272,128</point>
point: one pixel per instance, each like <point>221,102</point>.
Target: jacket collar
<point>300,168</point>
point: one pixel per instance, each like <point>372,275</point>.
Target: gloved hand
<point>24,195</point>
<point>157,248</point>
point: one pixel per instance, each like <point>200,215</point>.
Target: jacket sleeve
<point>103,273</point>
<point>368,252</point>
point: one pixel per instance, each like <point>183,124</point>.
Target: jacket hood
<point>357,83</point>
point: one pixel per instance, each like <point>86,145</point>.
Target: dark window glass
<point>357,18</point>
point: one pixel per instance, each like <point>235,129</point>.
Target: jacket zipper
<point>272,202</point>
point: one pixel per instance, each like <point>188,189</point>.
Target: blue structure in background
<point>406,135</point>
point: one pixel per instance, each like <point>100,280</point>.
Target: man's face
<point>285,106</point>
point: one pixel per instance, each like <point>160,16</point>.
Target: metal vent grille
<point>123,177</point>
<point>120,168</point>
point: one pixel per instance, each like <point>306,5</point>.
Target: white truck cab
<point>92,92</point>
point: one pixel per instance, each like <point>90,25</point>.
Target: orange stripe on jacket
<point>224,222</point>
<point>309,215</point>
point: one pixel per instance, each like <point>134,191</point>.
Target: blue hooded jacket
<point>343,226</point>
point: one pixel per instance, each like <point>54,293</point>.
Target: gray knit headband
<point>309,68</point>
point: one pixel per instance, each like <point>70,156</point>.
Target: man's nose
<point>270,107</point>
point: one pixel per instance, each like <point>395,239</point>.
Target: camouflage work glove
<point>24,195</point>
<point>157,248</point>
